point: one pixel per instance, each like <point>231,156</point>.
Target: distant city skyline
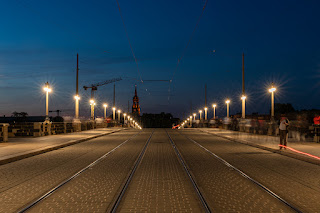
<point>39,41</point>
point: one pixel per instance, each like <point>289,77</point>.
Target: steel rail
<point>54,189</point>
<point>266,189</point>
<point>194,184</point>
<point>127,182</point>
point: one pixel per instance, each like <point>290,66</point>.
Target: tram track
<point>191,178</point>
<point>246,176</point>
<point>51,191</point>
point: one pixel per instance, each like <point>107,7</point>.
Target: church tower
<point>135,105</point>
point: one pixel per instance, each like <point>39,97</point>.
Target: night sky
<point>39,41</point>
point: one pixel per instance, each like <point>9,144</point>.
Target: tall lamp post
<point>228,102</point>
<point>243,98</point>
<point>92,103</point>
<point>47,89</point>
<point>105,110</point>
<point>194,116</point>
<point>200,111</point>
<point>124,117</point>
<point>272,90</point>
<point>205,113</point>
<point>214,110</point>
<point>190,120</point>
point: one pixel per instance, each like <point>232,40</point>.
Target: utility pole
<point>243,98</point>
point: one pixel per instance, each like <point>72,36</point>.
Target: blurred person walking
<point>283,127</point>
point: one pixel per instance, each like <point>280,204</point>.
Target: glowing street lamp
<point>194,116</point>
<point>214,110</point>
<point>190,120</point>
<point>114,113</point>
<point>227,102</point>
<point>119,111</point>
<point>47,89</point>
<point>243,98</point>
<point>272,90</point>
<point>92,103</point>
<point>205,113</point>
<point>105,110</point>
<point>200,111</point>
<point>124,117</point>
<point>77,98</point>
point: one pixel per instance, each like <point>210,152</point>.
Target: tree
<point>283,108</point>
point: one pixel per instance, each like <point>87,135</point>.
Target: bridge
<point>156,170</point>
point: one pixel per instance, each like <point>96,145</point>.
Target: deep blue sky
<point>39,41</point>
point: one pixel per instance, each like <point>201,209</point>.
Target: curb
<point>27,155</point>
<point>285,153</point>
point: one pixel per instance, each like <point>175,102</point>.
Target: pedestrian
<point>283,127</point>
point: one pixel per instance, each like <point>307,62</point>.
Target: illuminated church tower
<point>135,105</point>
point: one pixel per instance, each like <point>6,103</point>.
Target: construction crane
<point>94,87</point>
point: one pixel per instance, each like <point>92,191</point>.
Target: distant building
<point>135,105</point>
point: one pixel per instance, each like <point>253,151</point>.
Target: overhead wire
<point>127,35</point>
<point>186,47</point>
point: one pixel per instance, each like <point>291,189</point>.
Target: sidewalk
<point>19,148</point>
<point>271,143</point>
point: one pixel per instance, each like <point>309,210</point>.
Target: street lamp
<point>114,113</point>
<point>124,117</point>
<point>105,110</point>
<point>272,90</point>
<point>190,120</point>
<point>200,111</point>
<point>243,98</point>
<point>214,110</point>
<point>194,116</point>
<point>205,113</point>
<point>92,103</point>
<point>47,89</point>
<point>119,111</point>
<point>227,102</point>
<point>77,98</point>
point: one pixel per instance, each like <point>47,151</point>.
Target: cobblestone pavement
<point>94,190</point>
<point>224,189</point>
<point>295,181</point>
<point>24,180</point>
<point>160,183</point>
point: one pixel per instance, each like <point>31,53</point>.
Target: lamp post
<point>77,98</point>
<point>105,110</point>
<point>272,90</point>
<point>114,113</point>
<point>190,121</point>
<point>214,110</point>
<point>92,103</point>
<point>119,111</point>
<point>243,98</point>
<point>205,113</point>
<point>124,117</point>
<point>47,89</point>
<point>228,102</point>
<point>200,111</point>
<point>194,116</point>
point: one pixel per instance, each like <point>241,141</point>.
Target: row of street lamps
<point>131,121</point>
<point>243,98</point>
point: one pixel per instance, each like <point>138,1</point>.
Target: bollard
<point>5,132</point>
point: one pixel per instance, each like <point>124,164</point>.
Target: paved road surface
<point>160,183</point>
